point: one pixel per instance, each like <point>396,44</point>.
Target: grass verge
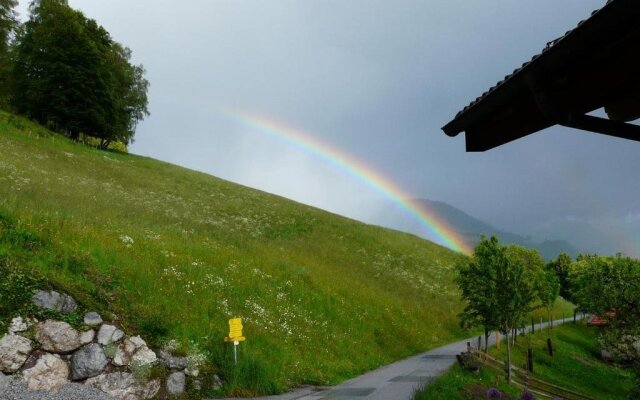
<point>575,365</point>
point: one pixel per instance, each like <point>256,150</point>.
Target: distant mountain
<point>469,227</point>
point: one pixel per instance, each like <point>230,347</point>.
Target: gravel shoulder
<point>15,389</point>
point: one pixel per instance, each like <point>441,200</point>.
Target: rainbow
<point>435,228</point>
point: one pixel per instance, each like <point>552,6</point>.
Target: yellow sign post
<point>235,336</point>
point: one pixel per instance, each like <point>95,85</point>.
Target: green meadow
<point>172,253</point>
<point>575,366</point>
<point>175,253</point>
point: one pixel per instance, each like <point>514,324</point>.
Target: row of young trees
<point>65,71</point>
<point>501,285</point>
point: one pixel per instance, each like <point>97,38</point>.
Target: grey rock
<point>217,383</point>
<point>58,337</point>
<point>88,362</point>
<point>176,383</point>
<point>54,301</point>
<point>144,355</point>
<point>18,325</point>
<point>192,371</point>
<point>50,373</point>
<point>92,318</point>
<point>173,362</point>
<point>109,334</point>
<point>14,351</point>
<point>133,349</point>
<point>87,337</point>
<point>123,386</point>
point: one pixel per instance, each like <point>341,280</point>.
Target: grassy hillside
<point>575,366</point>
<point>174,253</point>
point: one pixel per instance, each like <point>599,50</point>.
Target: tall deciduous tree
<point>548,290</point>
<point>69,74</point>
<point>498,287</point>
<point>477,282</point>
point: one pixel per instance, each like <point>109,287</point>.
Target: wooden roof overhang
<point>595,65</point>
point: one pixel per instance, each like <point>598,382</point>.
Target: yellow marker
<point>235,331</point>
<point>235,336</point>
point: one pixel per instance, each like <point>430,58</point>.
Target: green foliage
<point>561,265</point>
<point>68,74</point>
<point>610,288</point>
<point>7,26</point>
<point>477,280</point>
<point>8,23</point>
<point>548,289</point>
<point>498,286</point>
<point>141,371</point>
<point>17,285</point>
<point>111,349</point>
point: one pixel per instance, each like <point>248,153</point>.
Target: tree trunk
<point>508,357</point>
<point>486,340</point>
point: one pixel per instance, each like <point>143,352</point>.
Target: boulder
<point>144,355</point>
<point>50,373</point>
<point>58,337</point>
<point>87,337</point>
<point>469,362</point>
<point>18,325</point>
<point>123,386</point>
<point>133,349</point>
<point>173,362</point>
<point>92,319</point>
<point>88,362</point>
<point>54,301</point>
<point>109,334</point>
<point>14,351</point>
<point>176,383</point>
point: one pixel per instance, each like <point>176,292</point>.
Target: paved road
<point>397,381</point>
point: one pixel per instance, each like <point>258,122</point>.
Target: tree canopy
<point>498,286</point>
<point>8,23</point>
<point>561,265</point>
<point>70,75</point>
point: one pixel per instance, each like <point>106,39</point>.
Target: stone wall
<point>49,354</point>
